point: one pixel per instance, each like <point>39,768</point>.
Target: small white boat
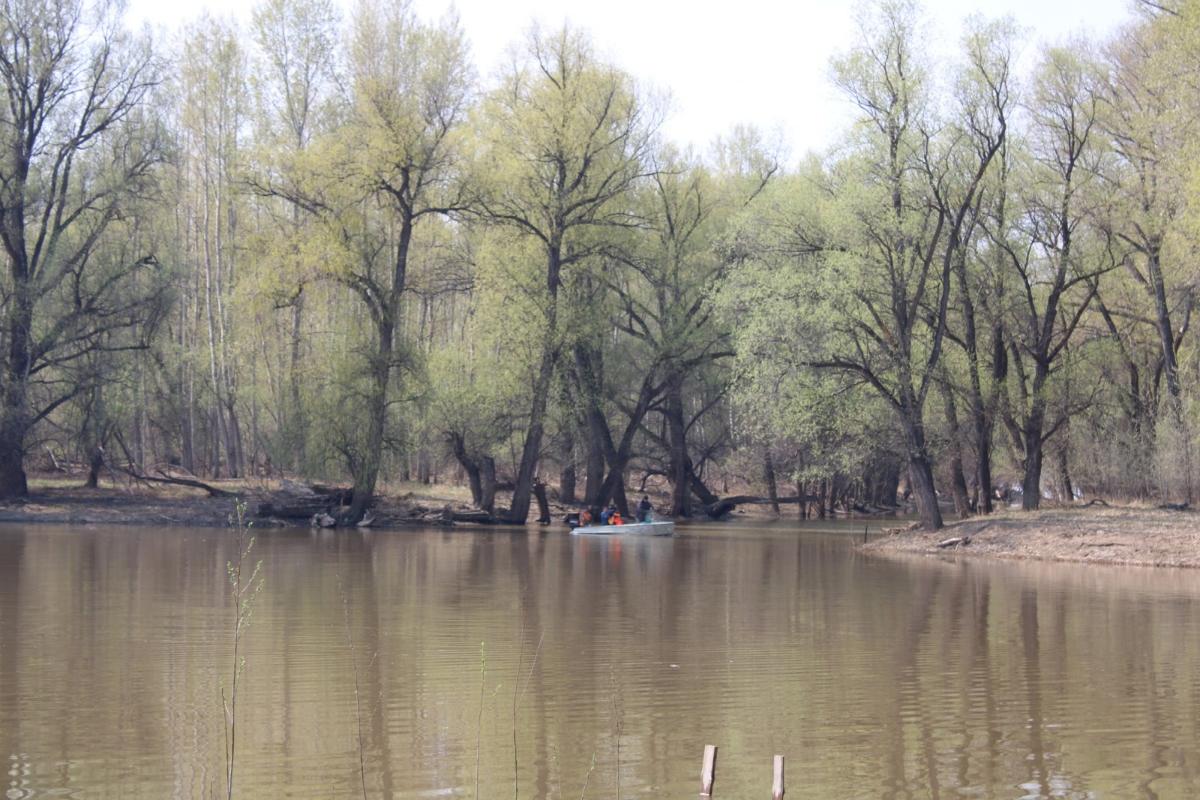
<point>663,528</point>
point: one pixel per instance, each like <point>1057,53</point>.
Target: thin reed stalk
<point>362,761</point>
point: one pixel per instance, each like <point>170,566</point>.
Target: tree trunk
<point>679,468</point>
<point>1064,476</point>
<point>588,373</point>
<point>366,471</point>
<point>532,450</point>
<point>470,466</point>
<point>980,425</point>
<point>139,414</point>
<point>958,481</point>
<point>920,475</point>
<point>187,420</point>
<point>539,492</point>
<point>769,474</point>
<point>233,447</point>
<point>296,420</point>
<point>93,437</point>
<point>12,472</point>
<point>487,483</point>
<point>1031,481</point>
<point>17,313</point>
<point>566,485</point>
<point>1166,333</point>
<point>595,470</point>
<point>475,481</point>
<point>95,464</point>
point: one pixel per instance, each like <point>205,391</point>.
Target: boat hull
<point>665,528</point>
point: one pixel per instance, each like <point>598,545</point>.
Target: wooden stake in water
<point>708,770</point>
<point>777,785</point>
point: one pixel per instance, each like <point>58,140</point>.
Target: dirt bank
<point>1115,535</point>
<point>64,502</point>
<point>61,500</point>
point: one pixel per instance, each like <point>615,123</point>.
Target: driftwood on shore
<point>305,501</point>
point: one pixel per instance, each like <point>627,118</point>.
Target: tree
<point>901,205</point>
<point>1149,118</point>
<point>298,43</point>
<point>567,137</point>
<point>370,183</point>
<point>212,117</point>
<point>1050,256</point>
<point>79,149</point>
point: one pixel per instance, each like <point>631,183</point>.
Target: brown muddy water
<point>539,665</point>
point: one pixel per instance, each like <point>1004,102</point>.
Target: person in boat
<point>615,519</point>
<point>644,509</point>
<point>585,517</point>
<point>606,514</point>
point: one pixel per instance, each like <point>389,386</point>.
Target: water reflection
<point>504,658</point>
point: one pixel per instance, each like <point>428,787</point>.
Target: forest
<point>323,245</point>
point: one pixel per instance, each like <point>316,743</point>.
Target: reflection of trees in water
<point>1032,671</point>
<point>12,548</point>
<point>876,678</point>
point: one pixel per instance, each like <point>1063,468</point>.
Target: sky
<point>759,62</point>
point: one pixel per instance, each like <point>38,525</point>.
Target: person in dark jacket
<point>643,509</point>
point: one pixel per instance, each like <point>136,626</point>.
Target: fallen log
<point>303,501</point>
<point>478,517</point>
<point>726,505</point>
<point>957,541</point>
<point>342,495</point>
<point>164,478</point>
<point>295,508</point>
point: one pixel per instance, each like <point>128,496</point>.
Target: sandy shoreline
<point>1100,535</point>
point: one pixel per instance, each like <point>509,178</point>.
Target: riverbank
<point>63,501</point>
<point>1097,534</point>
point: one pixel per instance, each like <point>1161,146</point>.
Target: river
<point>426,663</point>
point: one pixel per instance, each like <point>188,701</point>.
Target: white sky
<point>763,62</point>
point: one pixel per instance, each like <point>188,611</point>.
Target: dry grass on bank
<point>1113,535</point>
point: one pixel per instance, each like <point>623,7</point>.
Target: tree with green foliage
<point>370,183</point>
<point>567,136</point>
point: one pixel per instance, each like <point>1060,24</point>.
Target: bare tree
<point>78,150</point>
